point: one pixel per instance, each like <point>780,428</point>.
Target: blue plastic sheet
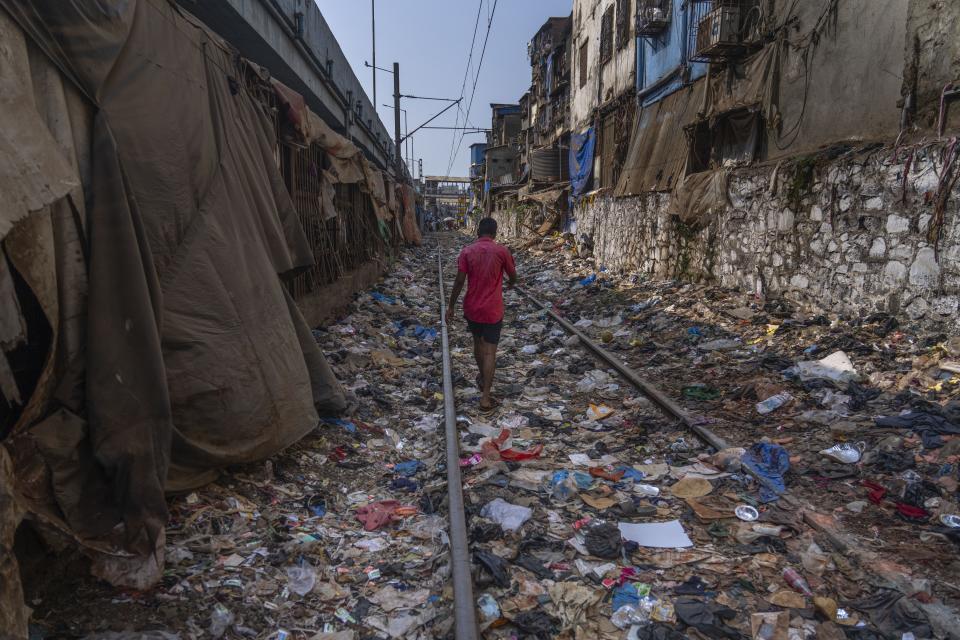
<point>770,462</point>
<point>338,422</point>
<point>416,330</point>
<point>583,480</point>
<point>379,297</point>
<point>581,161</point>
<point>408,468</point>
<point>629,473</point>
<point>625,594</point>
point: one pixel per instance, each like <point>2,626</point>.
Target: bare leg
<point>478,356</point>
<point>488,369</point>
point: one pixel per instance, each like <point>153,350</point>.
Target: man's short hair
<point>487,227</point>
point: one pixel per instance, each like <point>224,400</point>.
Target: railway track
<point>464,593</point>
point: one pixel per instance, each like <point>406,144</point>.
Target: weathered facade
<point>780,147</point>
<point>605,56</point>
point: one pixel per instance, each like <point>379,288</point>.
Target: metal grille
<point>340,244</point>
<point>606,35</point>
<point>698,11</point>
<point>623,23</point>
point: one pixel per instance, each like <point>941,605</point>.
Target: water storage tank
<point>550,164</point>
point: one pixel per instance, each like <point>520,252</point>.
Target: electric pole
<point>396,119</point>
<point>373,28</point>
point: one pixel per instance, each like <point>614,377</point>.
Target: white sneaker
<point>845,453</point>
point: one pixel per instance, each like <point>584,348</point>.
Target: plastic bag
<point>221,619</point>
<point>301,579</point>
<point>510,517</point>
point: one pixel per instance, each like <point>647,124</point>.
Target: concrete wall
<point>615,77</point>
<point>847,83</point>
<point>264,32</point>
<point>842,239</point>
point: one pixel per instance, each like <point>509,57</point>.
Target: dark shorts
<point>488,332</point>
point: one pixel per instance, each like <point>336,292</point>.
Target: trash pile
<point>590,513</point>
<point>832,515</point>
<point>342,536</point>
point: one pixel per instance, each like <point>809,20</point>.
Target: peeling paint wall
<point>604,82</point>
<point>843,239</point>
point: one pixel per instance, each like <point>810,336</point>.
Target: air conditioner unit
<point>653,16</point>
<point>718,34</point>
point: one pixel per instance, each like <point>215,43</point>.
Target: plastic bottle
<point>560,489</point>
<point>646,490</point>
<point>301,579</point>
<point>773,403</point>
<point>488,606</point>
<point>797,581</point>
<point>221,619</point>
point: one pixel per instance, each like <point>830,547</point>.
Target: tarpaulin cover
<point>755,85</point>
<point>292,106</point>
<point>581,160</point>
<point>345,157</point>
<point>411,231</point>
<point>196,357</point>
<point>13,612</point>
<point>698,195</point>
<point>658,146</point>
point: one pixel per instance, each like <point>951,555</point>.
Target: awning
<point>548,197</point>
<point>659,147</point>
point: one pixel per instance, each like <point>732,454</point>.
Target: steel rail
<point>465,613</point>
<point>647,388</point>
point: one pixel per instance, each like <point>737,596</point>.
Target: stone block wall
<point>839,233</point>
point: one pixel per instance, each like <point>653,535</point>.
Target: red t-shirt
<point>484,262</point>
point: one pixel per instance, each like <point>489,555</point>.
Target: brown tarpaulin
<point>699,195</point>
<point>658,147</point>
<point>753,83</point>
<point>411,231</point>
<point>196,357</point>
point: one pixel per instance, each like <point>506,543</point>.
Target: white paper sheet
<point>666,535</point>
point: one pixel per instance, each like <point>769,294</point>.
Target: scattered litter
<point>746,513</point>
<point>510,517</point>
<point>668,535</point>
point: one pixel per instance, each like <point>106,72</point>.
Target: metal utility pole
<point>373,28</point>
<point>408,140</point>
<point>396,119</point>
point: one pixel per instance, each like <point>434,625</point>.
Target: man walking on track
<point>482,264</point>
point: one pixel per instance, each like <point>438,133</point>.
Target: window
<point>623,23</point>
<point>733,138</point>
<point>606,35</point>
<point>583,63</point>
<point>608,146</point>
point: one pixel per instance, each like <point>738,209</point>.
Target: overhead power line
<point>476,78</point>
<point>463,85</point>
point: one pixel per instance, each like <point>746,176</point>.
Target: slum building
<point>502,158</point>
<point>546,108</point>
<point>796,149</point>
<point>477,174</point>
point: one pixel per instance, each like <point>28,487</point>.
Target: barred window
<point>606,36</point>
<point>623,23</point>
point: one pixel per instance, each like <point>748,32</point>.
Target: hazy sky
<point>431,41</point>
